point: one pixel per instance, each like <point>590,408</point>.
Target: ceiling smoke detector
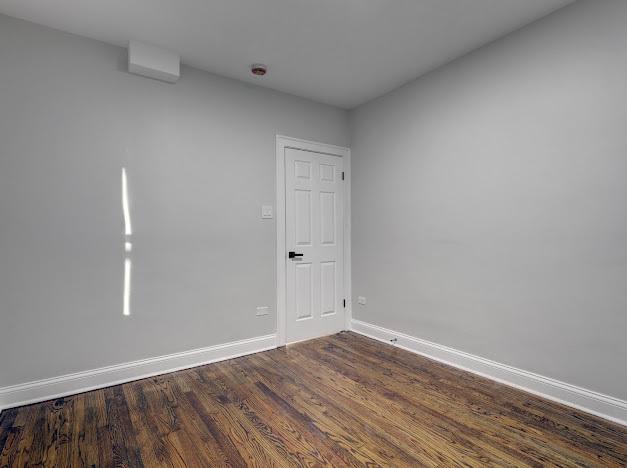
<point>258,69</point>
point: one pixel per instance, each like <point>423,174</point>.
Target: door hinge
<point>342,175</point>
<point>344,302</point>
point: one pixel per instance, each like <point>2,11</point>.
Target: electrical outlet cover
<point>266,212</point>
<point>263,310</point>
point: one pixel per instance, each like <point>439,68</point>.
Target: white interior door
<point>314,234</point>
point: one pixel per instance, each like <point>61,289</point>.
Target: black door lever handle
<point>294,255</point>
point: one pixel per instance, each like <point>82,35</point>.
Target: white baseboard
<point>56,387</point>
<point>604,406</point>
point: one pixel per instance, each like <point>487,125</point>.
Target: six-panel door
<point>314,228</point>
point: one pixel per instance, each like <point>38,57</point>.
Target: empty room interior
<point>313,233</point>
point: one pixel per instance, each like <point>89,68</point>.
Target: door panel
<point>327,218</point>
<point>314,228</point>
<point>302,217</point>
<point>327,281</point>
<point>303,291</point>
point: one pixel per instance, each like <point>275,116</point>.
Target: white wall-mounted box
<point>153,62</point>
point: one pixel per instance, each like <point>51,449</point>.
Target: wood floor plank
<point>30,448</point>
<point>7,418</point>
<point>11,433</point>
<point>104,447</point>
<point>154,449</point>
<point>343,400</point>
<point>84,445</point>
<point>125,451</point>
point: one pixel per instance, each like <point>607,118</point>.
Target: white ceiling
<point>340,52</point>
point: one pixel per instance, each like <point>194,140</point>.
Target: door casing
<point>283,142</point>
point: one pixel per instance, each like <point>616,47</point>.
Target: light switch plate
<point>263,310</point>
<point>361,300</point>
<point>266,212</point>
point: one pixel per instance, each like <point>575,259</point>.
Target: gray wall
<point>490,201</point>
<point>200,156</point>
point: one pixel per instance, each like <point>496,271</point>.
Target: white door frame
<point>283,142</point>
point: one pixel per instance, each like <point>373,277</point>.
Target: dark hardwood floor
<point>344,400</point>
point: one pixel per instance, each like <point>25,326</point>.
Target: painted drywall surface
<point>200,156</point>
<point>489,201</point>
